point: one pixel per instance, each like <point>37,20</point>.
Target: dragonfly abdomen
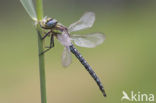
<point>88,68</point>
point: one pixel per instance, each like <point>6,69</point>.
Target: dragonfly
<point>64,36</point>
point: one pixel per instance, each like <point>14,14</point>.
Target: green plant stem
<point>39,9</point>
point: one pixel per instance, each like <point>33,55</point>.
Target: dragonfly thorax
<point>48,23</point>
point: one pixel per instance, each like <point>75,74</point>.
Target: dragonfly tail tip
<point>104,94</point>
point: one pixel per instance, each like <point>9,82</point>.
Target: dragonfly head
<point>48,23</point>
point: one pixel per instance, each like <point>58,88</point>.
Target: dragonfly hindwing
<point>88,40</point>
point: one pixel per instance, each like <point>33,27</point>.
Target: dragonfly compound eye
<point>51,23</point>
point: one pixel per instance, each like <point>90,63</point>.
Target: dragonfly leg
<point>51,44</point>
<point>46,35</point>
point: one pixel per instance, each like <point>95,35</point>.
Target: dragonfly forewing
<point>29,7</point>
<point>86,21</point>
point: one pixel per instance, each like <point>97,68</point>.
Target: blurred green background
<point>125,61</point>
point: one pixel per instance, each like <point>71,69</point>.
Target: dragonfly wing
<point>64,39</point>
<point>88,40</point>
<point>29,7</point>
<point>66,57</point>
<point>86,21</point>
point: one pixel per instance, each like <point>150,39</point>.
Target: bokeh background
<point>125,61</point>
